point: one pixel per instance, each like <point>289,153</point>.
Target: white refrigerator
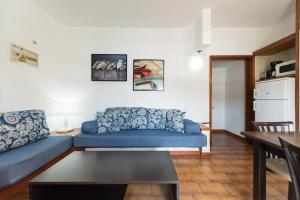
<point>274,100</point>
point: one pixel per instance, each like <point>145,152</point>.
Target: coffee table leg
<point>35,193</point>
<point>175,191</point>
<point>259,172</point>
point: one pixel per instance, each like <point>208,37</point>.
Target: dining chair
<point>287,126</point>
<point>292,154</point>
<point>274,163</point>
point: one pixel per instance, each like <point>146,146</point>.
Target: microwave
<point>286,68</point>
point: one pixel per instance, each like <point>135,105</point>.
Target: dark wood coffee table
<point>90,175</point>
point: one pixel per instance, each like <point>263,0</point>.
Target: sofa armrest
<point>89,127</point>
<point>191,127</point>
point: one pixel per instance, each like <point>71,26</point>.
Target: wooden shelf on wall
<point>278,46</point>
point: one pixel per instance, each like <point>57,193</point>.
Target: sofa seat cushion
<point>140,138</point>
<point>18,163</point>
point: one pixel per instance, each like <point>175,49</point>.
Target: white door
<point>271,110</point>
<point>218,98</point>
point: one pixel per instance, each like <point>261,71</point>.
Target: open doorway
<point>231,89</point>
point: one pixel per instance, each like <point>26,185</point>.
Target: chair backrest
<point>292,154</point>
<point>273,126</point>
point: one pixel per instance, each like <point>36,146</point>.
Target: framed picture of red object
<point>148,75</point>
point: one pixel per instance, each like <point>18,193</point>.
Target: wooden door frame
<point>249,84</point>
<point>297,101</point>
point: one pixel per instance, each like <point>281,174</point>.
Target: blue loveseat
<point>25,145</point>
<point>88,138</point>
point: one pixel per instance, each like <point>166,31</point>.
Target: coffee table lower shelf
<point>86,191</point>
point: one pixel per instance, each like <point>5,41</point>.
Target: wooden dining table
<point>262,142</point>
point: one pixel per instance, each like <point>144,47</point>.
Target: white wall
<point>282,28</point>
<point>236,41</point>
<point>64,71</point>
<point>22,86</point>
<point>235,97</point>
<point>246,40</point>
<point>183,87</point>
<point>218,96</point>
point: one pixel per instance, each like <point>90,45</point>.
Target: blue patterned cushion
<point>119,118</point>
<point>175,120</point>
<point>21,127</point>
<point>138,118</point>
<point>122,115</point>
<point>156,118</point>
<point>11,139</point>
<point>130,117</point>
<point>107,122</point>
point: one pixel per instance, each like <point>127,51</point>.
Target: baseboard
<point>191,154</point>
<point>184,151</point>
<point>78,149</point>
<point>219,131</point>
<point>171,149</point>
<point>241,138</point>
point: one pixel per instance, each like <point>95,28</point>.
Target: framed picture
<point>22,55</point>
<point>109,67</point>
<point>148,75</point>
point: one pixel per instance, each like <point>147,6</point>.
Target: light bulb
<point>196,62</point>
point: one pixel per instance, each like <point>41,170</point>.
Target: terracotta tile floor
<point>225,175</point>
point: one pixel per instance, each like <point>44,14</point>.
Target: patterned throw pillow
<point>130,117</point>
<point>107,122</point>
<point>157,118</point>
<point>11,140</point>
<point>175,120</point>
<point>21,127</point>
<point>122,115</point>
<point>138,118</point>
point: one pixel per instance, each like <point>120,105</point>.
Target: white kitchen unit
<point>274,100</point>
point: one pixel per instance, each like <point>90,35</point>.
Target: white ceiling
<point>166,13</point>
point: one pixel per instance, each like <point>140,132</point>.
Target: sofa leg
<point>200,150</point>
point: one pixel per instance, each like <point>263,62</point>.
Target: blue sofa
<point>20,162</point>
<point>88,138</point>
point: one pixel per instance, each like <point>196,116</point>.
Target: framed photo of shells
<point>109,67</point>
<point>148,75</point>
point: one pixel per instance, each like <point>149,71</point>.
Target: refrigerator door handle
<point>255,105</point>
<point>254,93</point>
